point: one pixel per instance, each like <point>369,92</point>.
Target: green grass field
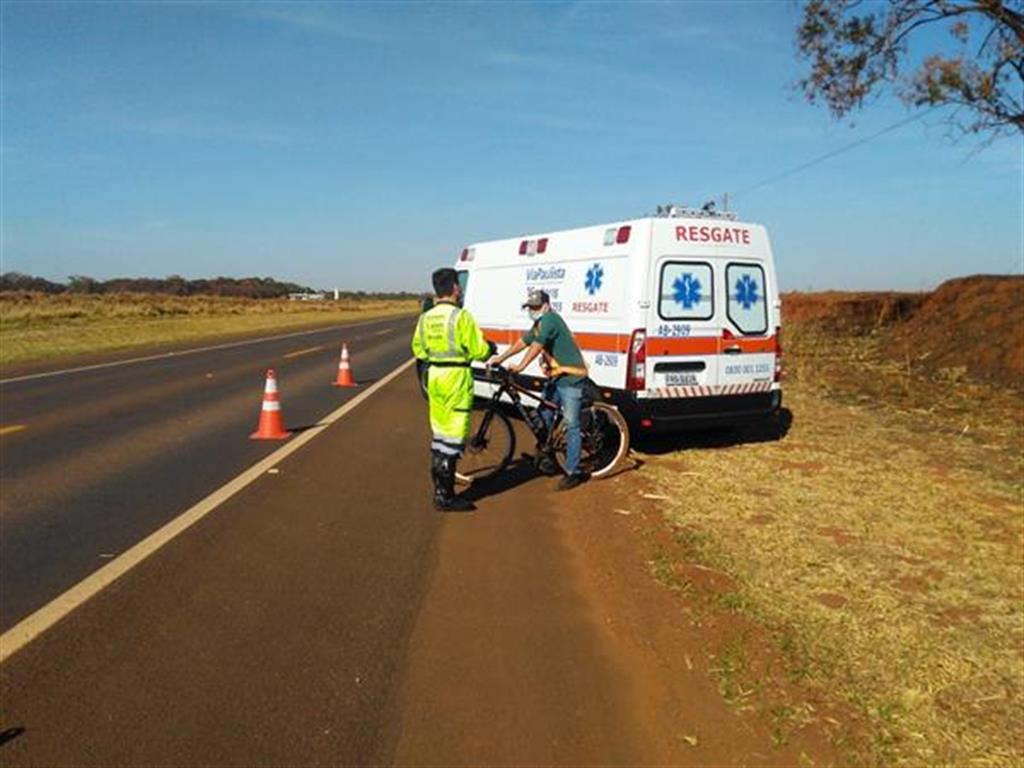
<point>39,327</point>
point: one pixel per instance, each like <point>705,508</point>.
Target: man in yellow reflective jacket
<point>447,339</point>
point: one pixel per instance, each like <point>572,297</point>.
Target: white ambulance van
<point>677,313</point>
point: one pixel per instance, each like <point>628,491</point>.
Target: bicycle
<point>492,440</point>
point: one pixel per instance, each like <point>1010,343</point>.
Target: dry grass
<point>882,542</point>
<point>37,326</point>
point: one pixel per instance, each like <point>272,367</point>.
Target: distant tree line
<point>175,285</point>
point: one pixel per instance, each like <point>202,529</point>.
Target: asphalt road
<point>94,460</point>
<point>327,615</point>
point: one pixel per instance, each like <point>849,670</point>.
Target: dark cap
<point>537,299</point>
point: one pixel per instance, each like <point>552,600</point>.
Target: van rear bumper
<point>650,414</point>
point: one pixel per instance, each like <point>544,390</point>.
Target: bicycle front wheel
<point>489,447</point>
<point>605,440</point>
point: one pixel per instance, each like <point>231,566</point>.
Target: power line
<point>829,155</point>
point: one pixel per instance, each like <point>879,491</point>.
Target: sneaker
<point>569,482</point>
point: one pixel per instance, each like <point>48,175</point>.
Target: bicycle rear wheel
<point>489,447</point>
<point>605,438</point>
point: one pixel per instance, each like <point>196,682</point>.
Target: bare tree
<point>854,49</point>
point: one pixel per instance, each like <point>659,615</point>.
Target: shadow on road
<point>10,734</point>
<point>305,427</point>
<point>519,472</point>
<point>765,430</point>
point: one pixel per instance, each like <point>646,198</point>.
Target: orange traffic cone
<point>271,425</point>
<point>344,370</point>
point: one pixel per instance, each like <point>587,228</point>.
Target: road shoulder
<point>667,642</point>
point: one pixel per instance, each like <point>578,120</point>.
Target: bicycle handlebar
<point>496,373</point>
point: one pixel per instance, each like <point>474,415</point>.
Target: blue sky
<point>361,145</point>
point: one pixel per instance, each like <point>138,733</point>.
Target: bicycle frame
<point>515,391</point>
<point>598,422</point>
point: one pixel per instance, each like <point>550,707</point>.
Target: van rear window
<point>747,305</point>
<point>686,292</point>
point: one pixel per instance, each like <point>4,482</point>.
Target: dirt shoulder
<point>706,678</point>
<point>872,558</point>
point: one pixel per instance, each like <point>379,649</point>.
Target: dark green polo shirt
<point>553,334</point>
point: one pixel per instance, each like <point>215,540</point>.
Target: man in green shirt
<point>566,369</point>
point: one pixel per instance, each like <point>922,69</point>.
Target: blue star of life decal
<point>595,276</point>
<point>686,290</point>
<point>746,291</point>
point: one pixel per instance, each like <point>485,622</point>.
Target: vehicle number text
<point>673,330</point>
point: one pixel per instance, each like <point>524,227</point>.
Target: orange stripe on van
<point>592,342</point>
<point>766,345</point>
<point>657,346</point>
<point>603,342</point>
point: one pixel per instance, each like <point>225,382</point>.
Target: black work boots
<point>442,470</point>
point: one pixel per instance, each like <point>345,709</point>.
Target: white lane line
<point>183,352</point>
<point>300,352</point>
<point>22,633</point>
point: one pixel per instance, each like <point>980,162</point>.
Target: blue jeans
<point>569,396</point>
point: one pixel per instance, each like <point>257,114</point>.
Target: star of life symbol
<point>687,290</point>
<point>595,276</point>
<point>746,291</point>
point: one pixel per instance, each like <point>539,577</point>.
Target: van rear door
<point>683,330</point>
<point>747,361</point>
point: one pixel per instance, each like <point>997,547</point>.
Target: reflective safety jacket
<point>447,334</point>
<point>448,338</point>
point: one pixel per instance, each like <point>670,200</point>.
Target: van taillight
<point>636,378</point>
<point>779,372</point>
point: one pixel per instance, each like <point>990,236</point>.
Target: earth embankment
<point>969,326</point>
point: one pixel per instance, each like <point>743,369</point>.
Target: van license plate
<point>681,379</point>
